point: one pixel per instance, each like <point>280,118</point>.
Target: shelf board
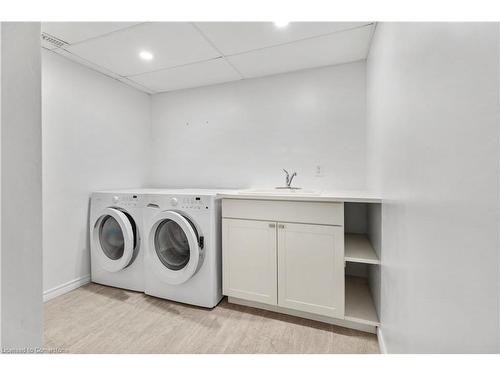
<point>359,249</point>
<point>359,306</point>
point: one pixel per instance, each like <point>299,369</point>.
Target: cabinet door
<point>311,268</point>
<point>249,260</point>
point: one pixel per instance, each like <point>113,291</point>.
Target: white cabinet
<point>311,268</point>
<point>286,254</point>
<point>249,260</point>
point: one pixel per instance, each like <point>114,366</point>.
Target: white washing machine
<point>116,253</point>
<point>182,245</point>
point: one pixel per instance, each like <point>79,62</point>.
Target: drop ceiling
<point>197,54</point>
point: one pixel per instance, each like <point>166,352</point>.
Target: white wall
<point>21,187</point>
<point>96,134</point>
<point>433,151</point>
<point>242,134</point>
<point>0,185</point>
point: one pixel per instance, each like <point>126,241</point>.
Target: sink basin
<point>280,191</point>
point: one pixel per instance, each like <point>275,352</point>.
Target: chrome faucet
<point>289,178</point>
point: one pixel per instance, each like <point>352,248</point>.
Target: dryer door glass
<point>172,245</point>
<point>111,238</point>
<point>175,250</point>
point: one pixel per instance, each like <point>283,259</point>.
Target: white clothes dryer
<point>182,246</point>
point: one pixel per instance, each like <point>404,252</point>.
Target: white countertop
<point>265,194</point>
<point>324,196</point>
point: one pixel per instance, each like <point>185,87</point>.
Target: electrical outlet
<point>319,172</point>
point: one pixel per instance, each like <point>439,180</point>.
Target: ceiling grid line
<point>217,49</point>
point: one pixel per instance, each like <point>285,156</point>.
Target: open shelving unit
<point>361,256</point>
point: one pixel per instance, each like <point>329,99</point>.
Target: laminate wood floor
<point>100,319</point>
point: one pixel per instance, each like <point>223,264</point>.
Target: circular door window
<point>114,239</point>
<point>172,245</point>
<point>175,252</point>
<point>111,238</point>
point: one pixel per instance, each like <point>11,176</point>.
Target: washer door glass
<point>111,238</point>
<point>172,245</point>
<point>114,238</point>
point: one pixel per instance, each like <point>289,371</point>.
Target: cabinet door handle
<point>272,225</point>
<point>281,226</point>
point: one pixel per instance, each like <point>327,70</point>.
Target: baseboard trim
<point>381,341</point>
<point>325,319</point>
<point>65,288</point>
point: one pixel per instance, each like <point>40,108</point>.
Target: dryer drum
<point>171,245</point>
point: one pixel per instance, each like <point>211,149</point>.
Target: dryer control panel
<point>126,200</point>
<point>192,202</point>
<point>197,203</point>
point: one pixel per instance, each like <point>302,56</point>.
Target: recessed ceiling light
<point>145,55</point>
<point>281,23</point>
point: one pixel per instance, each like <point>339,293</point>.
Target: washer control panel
<point>126,200</point>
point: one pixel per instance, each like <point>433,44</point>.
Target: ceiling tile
<point>236,37</point>
<point>74,32</point>
<point>172,44</point>
<point>192,75</point>
<point>325,50</point>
